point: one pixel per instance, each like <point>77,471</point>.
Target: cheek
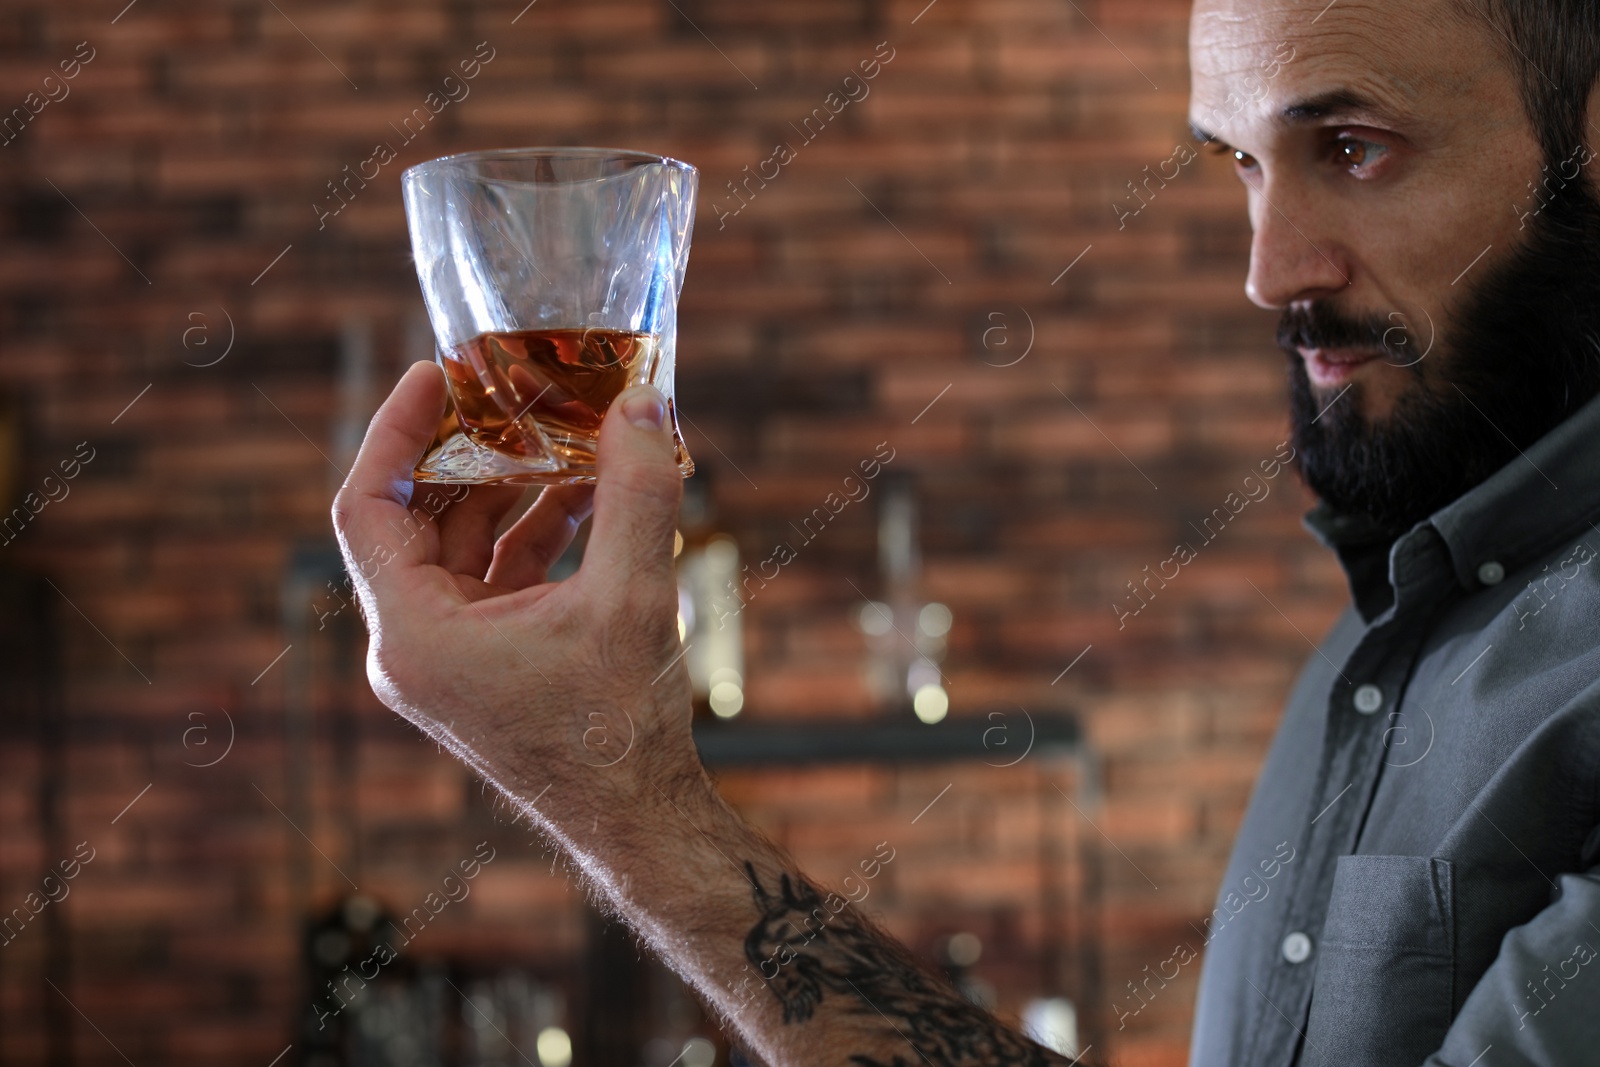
<point>1442,214</point>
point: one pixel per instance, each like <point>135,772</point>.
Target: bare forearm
<point>797,971</point>
<point>536,684</point>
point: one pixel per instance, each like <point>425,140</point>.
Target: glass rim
<point>588,152</point>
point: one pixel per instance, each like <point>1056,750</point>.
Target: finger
<point>536,540</point>
<point>636,498</point>
<point>372,502</point>
<point>467,525</point>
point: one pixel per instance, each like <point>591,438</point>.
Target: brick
<point>997,141</point>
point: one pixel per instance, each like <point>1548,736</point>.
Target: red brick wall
<point>911,251</point>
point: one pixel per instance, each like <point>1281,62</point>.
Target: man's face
<point>1381,160</point>
<point>1391,173</point>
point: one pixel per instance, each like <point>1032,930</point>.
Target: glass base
<point>457,459</point>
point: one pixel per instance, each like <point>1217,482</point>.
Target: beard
<point>1519,357</point>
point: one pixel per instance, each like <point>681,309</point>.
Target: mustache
<point>1319,325</point>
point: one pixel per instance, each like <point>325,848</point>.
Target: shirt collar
<point>1362,546</point>
<point>1522,511</point>
<point>1548,494</point>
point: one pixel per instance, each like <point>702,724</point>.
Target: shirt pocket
<point>1384,984</point>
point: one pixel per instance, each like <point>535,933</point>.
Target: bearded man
<point>1425,220</point>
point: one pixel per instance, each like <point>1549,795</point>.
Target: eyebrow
<point>1336,102</point>
<point>1310,109</point>
<point>1200,135</point>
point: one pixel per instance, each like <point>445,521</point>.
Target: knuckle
<point>656,487</point>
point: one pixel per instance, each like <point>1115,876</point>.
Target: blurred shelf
<point>1000,738</point>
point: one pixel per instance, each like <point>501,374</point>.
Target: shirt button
<point>1368,699</point>
<point>1491,573</point>
<point>1297,947</point>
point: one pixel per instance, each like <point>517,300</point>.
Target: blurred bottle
<point>710,605</point>
<point>906,638</point>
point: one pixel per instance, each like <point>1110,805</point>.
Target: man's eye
<point>1355,153</point>
<point>1242,160</point>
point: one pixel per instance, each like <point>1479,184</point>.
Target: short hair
<point>1554,46</point>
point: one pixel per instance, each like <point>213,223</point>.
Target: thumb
<point>636,495</point>
<point>371,504</point>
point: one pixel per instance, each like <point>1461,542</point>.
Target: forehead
<point>1412,58</point>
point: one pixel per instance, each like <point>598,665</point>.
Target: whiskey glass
<point>551,278</point>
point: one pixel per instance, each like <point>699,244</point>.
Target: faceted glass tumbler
<point>551,277</point>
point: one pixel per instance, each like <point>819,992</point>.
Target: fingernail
<point>645,407</point>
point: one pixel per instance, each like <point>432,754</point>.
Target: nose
<point>1290,260</point>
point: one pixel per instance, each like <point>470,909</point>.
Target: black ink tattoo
<point>808,945</point>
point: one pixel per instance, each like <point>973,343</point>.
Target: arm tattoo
<point>808,945</point>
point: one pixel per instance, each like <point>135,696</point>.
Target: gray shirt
<point>1415,881</point>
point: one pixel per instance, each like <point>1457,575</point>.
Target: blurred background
<point>990,251</point>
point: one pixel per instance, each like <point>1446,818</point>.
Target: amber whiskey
<point>537,398</point>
